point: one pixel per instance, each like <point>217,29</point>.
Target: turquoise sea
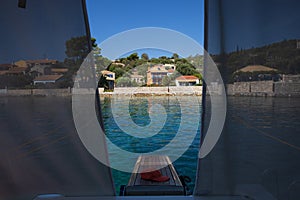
<point>166,123</point>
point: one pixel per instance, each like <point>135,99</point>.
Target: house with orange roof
<point>59,71</point>
<point>4,68</point>
<point>187,81</point>
<point>13,69</point>
<point>256,73</point>
<point>43,67</point>
<point>17,70</point>
<point>41,62</point>
<point>46,79</point>
<point>156,73</point>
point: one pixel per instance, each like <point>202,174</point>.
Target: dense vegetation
<point>283,56</point>
<point>124,67</point>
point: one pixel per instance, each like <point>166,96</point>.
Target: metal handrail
<point>273,172</point>
<point>291,186</point>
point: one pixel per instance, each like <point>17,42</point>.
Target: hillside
<point>283,56</point>
<point>127,66</point>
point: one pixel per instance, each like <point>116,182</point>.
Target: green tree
<point>103,82</point>
<point>142,69</point>
<point>15,81</point>
<point>185,68</point>
<point>123,82</point>
<point>77,48</point>
<point>145,56</point>
<point>119,72</point>
<point>175,56</point>
<point>133,57</point>
<point>101,64</point>
<point>166,81</point>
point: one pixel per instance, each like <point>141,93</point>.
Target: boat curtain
<point>41,152</point>
<point>257,154</point>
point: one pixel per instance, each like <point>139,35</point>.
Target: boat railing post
<point>272,173</point>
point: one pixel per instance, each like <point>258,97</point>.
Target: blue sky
<point>39,31</point>
<point>110,17</point>
<point>253,23</point>
<point>51,20</point>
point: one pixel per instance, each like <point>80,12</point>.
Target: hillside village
<point>163,71</point>
<point>47,73</point>
<point>26,73</point>
<point>277,62</point>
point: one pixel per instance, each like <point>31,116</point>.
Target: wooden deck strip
<point>174,174</point>
<point>139,186</point>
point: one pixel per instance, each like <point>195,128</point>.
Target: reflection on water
<point>139,110</point>
<point>260,145</point>
<point>275,118</point>
<point>41,151</point>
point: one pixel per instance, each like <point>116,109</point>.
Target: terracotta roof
<point>158,68</point>
<point>60,70</point>
<point>16,70</point>
<point>118,63</point>
<point>104,72</point>
<point>256,68</point>
<point>159,71</point>
<point>187,78</point>
<point>48,78</point>
<point>41,61</point>
<point>6,66</point>
<point>136,76</point>
<point>3,72</point>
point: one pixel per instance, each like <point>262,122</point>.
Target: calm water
<point>267,138</point>
<point>139,110</point>
<point>264,133</point>
<point>262,139</point>
<point>260,145</point>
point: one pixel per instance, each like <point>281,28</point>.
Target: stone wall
<point>241,87</point>
<point>150,91</point>
<point>263,88</point>
<point>51,92</point>
<point>260,88</point>
<point>37,92</point>
<point>3,91</point>
<point>287,89</point>
<point>136,91</point>
<point>18,93</point>
<point>238,88</point>
<point>291,78</point>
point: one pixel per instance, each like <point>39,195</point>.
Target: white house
<point>139,79</point>
<point>186,81</point>
<point>46,79</point>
